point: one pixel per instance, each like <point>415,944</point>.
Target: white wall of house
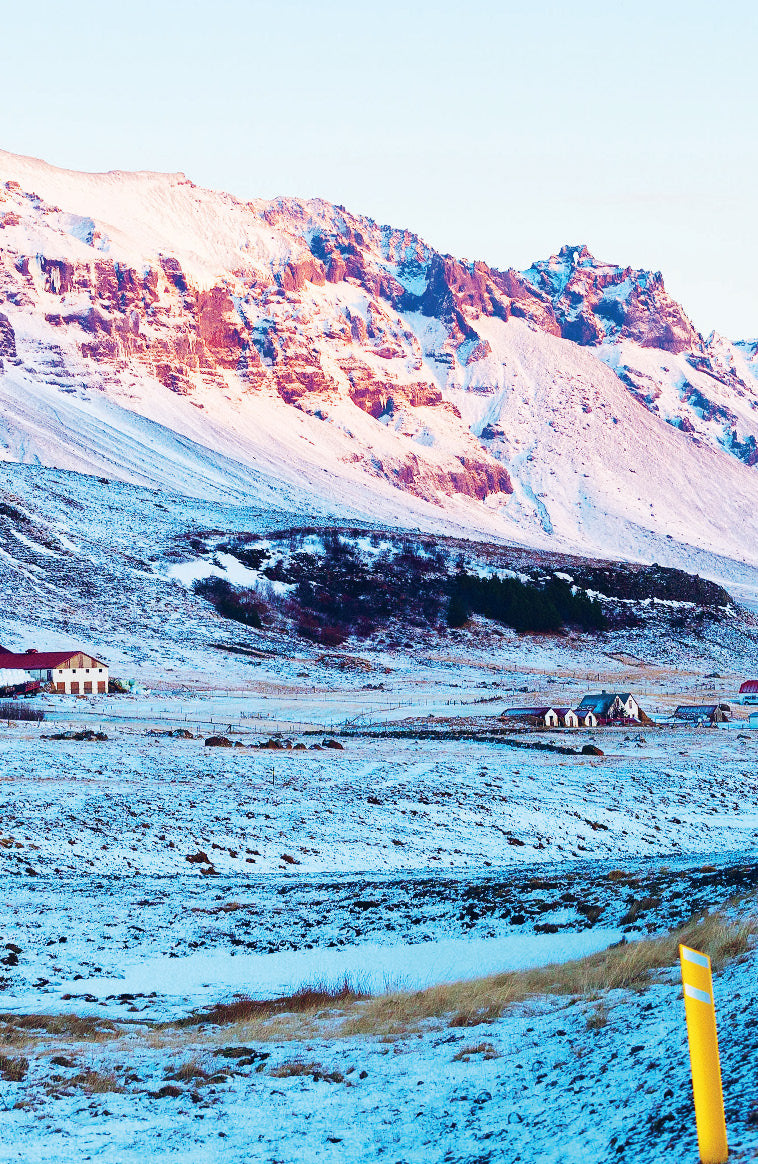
<point>92,680</point>
<point>79,675</point>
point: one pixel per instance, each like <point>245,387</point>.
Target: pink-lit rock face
<point>411,358</point>
<point>595,301</point>
<point>7,338</point>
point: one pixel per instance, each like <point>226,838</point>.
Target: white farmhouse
<point>70,672</point>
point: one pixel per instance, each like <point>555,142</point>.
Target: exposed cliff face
<point>251,326</point>
<point>595,301</point>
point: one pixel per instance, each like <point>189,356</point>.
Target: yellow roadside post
<point>704,1056</point>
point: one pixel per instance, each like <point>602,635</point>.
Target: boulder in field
<point>218,742</point>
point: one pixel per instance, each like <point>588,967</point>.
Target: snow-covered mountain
<point>167,335</point>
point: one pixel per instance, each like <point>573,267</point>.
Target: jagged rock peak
<point>595,302</point>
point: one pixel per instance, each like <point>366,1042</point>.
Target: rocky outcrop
<point>7,338</point>
<point>594,302</point>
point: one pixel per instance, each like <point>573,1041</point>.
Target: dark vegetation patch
<point>525,606</point>
<point>230,601</point>
<point>307,998</point>
<point>14,514</point>
<point>328,586</point>
<point>643,582</point>
<point>17,711</point>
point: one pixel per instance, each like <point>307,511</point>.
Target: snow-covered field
<point>147,875</point>
<point>396,861</point>
<point>552,1081</point>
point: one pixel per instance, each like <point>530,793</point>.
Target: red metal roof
<point>749,687</point>
<point>38,660</point>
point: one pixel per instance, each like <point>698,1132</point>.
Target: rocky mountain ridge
<point>296,340</point>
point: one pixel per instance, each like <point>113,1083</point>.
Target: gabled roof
<point>602,702</point>
<point>515,711</point>
<point>749,687</point>
<point>597,703</point>
<point>696,710</point>
<point>39,660</point>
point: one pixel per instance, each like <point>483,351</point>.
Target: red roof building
<point>70,672</point>
<point>749,687</point>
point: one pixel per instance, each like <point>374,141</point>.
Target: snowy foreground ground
<point>146,876</point>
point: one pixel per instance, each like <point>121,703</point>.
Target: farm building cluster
<point>609,707</point>
<point>61,672</point>
<point>617,709</point>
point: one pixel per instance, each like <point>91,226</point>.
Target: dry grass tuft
<point>486,1050</point>
<point>316,1071</point>
<point>13,1070</point>
<point>308,998</point>
<point>95,1082</point>
<point>188,1072</point>
<point>598,1018</point>
<point>73,1026</point>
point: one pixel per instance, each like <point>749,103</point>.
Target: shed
<point>703,713</point>
<point>586,717</point>
<point>567,717</point>
<point>535,716</point>
<point>749,687</point>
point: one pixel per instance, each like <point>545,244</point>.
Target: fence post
<point>704,1056</point>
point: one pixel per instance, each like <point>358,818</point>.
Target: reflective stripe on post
<point>704,1056</point>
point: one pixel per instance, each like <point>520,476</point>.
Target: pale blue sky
<point>496,130</point>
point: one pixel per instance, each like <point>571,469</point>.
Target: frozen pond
<point>201,978</point>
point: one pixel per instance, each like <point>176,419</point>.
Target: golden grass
<point>188,1072</point>
<point>93,1082</point>
<point>629,966</point>
<point>486,1050</point>
<point>85,1027</point>
<point>297,1067</point>
<point>343,1010</point>
<point>307,999</point>
<point>13,1069</point>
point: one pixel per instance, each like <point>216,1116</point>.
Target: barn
<point>69,672</point>
<point>702,713</point>
<point>534,716</point>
